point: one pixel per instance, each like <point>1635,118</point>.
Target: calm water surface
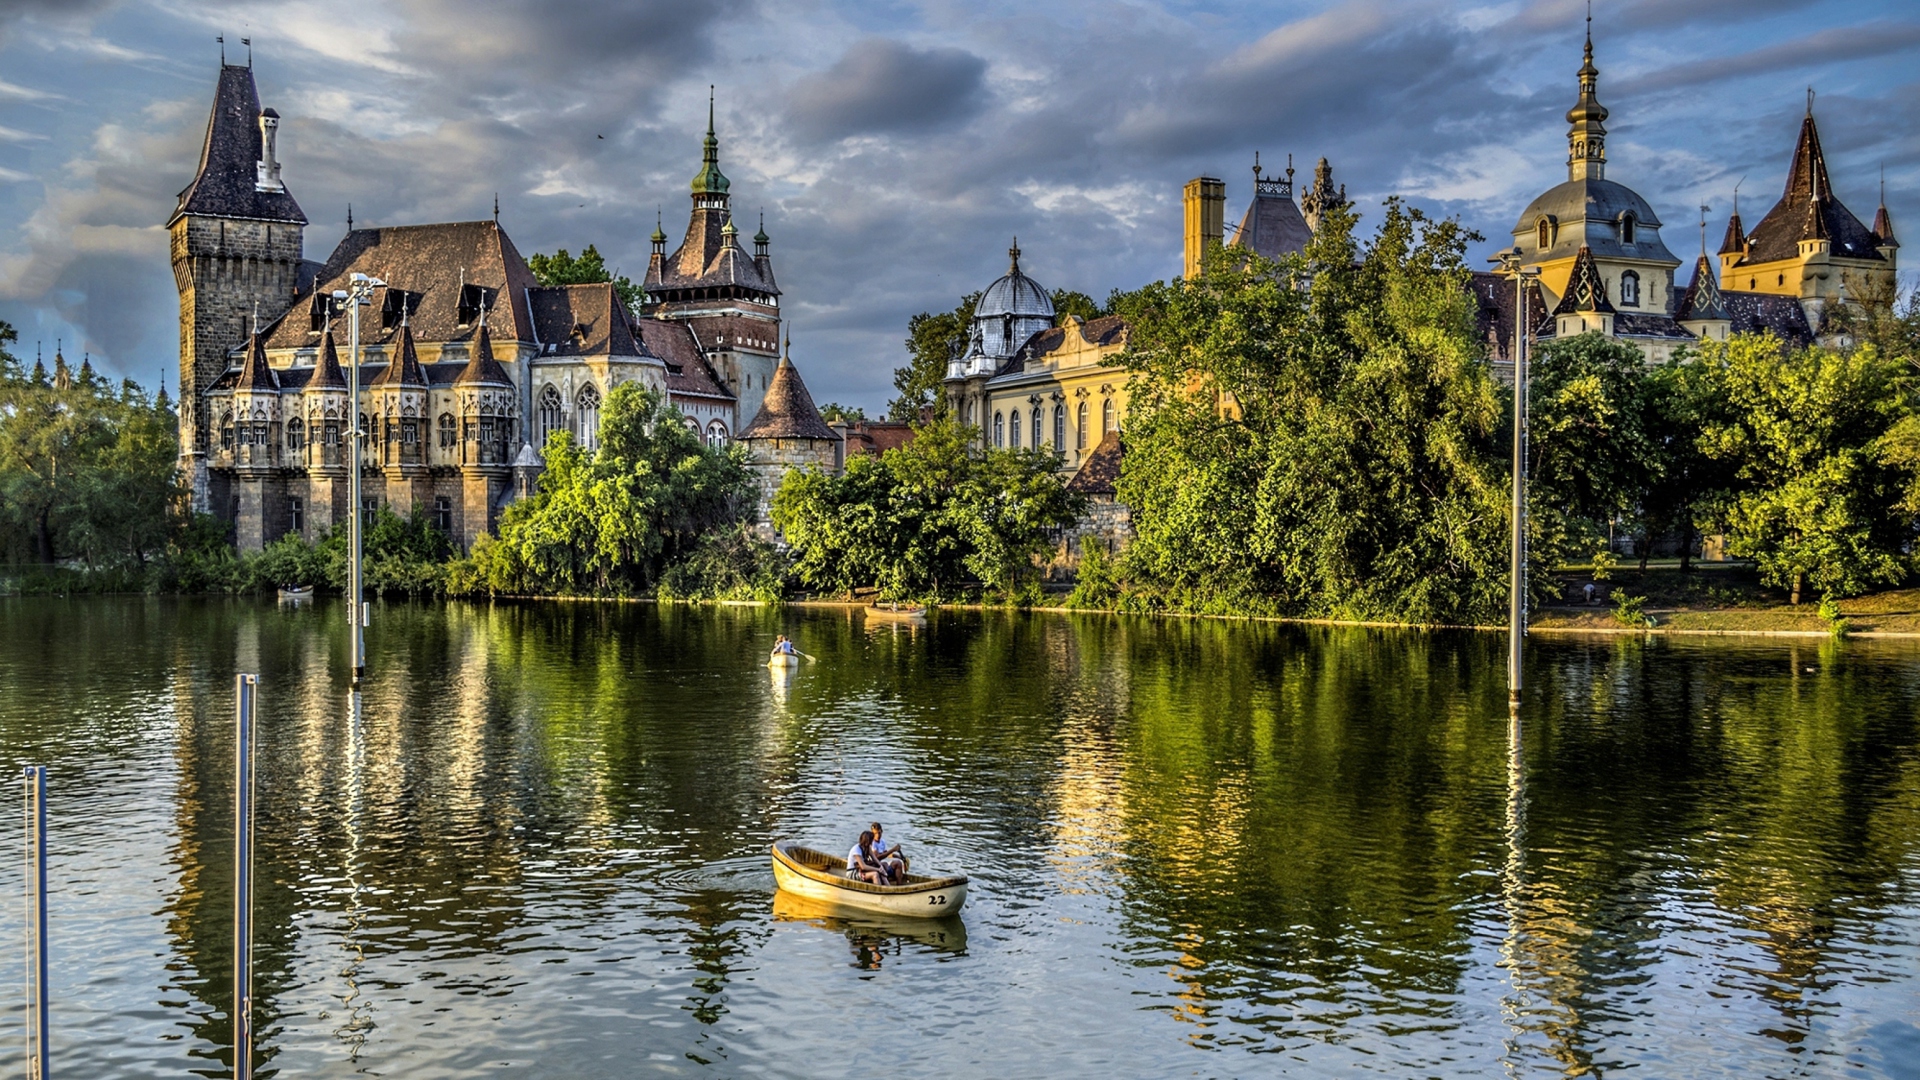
<point>1198,848</point>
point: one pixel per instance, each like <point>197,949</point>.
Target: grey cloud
<point>1829,45</point>
<point>881,85</point>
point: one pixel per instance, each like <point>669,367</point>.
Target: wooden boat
<point>783,660</point>
<point>897,612</point>
<point>819,876</point>
<point>868,929</point>
<point>296,592</point>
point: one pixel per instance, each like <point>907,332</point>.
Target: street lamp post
<point>1509,262</point>
<point>357,294</point>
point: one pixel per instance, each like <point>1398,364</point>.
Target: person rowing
<point>784,647</point>
<point>864,863</point>
<point>891,860</point>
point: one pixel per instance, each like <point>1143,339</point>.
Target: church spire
<point>711,181</point>
<point>1587,130</point>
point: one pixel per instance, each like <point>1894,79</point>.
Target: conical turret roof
<point>787,412</point>
<point>482,369</point>
<point>327,374</point>
<point>1808,210</point>
<point>1701,301</point>
<point>1586,289</point>
<point>255,373</point>
<point>404,369</point>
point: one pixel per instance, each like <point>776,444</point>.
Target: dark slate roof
<point>1494,298</point>
<point>788,411</point>
<point>1754,313</point>
<point>1736,238</point>
<point>404,368</point>
<point>255,372</point>
<point>711,254</point>
<point>224,184</point>
<point>1808,210</point>
<point>482,369</point>
<point>1272,226</point>
<point>1702,298</point>
<point>1643,325</point>
<point>326,370</point>
<point>583,320</point>
<point>687,369</point>
<point>1106,330</point>
<point>431,262</point>
<point>1588,213</point>
<point>1097,475</point>
<point>1883,227</point>
<point>1586,289</point>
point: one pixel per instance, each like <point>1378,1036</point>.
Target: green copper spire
<point>711,180</point>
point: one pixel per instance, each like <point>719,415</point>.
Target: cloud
<point>880,85</point>
<point>1838,43</point>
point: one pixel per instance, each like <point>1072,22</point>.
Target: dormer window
<point>320,309</point>
<point>397,302</point>
<point>1544,240</point>
<point>474,298</point>
<point>1630,288</point>
<point>1626,227</point>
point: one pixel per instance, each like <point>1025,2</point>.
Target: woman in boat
<point>864,862</point>
<point>783,647</point>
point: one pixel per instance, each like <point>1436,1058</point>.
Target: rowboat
<point>783,660</point>
<point>819,876</point>
<point>867,930</point>
<point>296,592</point>
<point>897,612</point>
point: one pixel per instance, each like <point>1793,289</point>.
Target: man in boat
<point>783,647</point>
<point>894,863</point>
<point>864,862</point>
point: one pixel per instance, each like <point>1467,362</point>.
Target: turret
<point>1584,306</point>
<point>1587,130</point>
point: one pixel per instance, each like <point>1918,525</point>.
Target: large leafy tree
<point>587,268</point>
<point>1329,450</point>
<point>1817,493</point>
<point>925,520</point>
<point>1592,447</point>
<point>608,520</point>
<point>934,338</point>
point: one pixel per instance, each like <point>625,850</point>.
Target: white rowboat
<point>817,875</point>
<point>783,660</point>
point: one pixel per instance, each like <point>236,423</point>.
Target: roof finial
<point>222,39</point>
<point>1289,171</point>
<point>1014,253</point>
<point>1589,29</point>
<point>349,217</point>
<point>1256,166</point>
<point>1809,102</point>
<point>256,319</point>
<point>1703,229</point>
<point>248,42</point>
<point>709,110</point>
<point>496,209</point>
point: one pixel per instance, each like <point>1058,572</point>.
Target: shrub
<point>727,564</point>
<point>1097,583</point>
<point>1631,610</point>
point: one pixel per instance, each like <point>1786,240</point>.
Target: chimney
<point>1206,214</point>
<point>267,175</point>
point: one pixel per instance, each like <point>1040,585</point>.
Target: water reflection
<point>540,849</point>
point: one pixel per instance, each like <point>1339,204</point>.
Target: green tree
<point>933,340</point>
<point>1068,302</point>
<point>607,521</point>
<point>1592,453</point>
<point>835,413</point>
<point>1333,450</point>
<point>925,519</point>
<point>1806,433</point>
<point>1682,401</point>
<point>587,268</point>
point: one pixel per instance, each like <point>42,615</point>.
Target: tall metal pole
<point>356,641</point>
<point>1517,592</point>
<point>243,877</point>
<point>36,880</point>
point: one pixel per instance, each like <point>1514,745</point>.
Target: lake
<point>1198,848</point>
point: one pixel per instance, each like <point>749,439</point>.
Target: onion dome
<point>710,180</point>
<point>1587,130</point>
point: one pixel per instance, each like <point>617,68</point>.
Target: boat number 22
<point>936,899</point>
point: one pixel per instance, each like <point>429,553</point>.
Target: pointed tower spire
<point>1013,253</point>
<point>1587,129</point>
<point>1883,221</point>
<point>255,373</point>
<point>710,181</point>
<point>761,239</point>
<point>1735,242</point>
<point>327,374</point>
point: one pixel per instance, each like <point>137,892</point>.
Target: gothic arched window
<point>1626,228</point>
<point>587,413</point>
<point>1545,239</point>
<point>1630,288</point>
<point>1013,431</point>
<point>296,433</point>
<point>552,413</point>
<point>1059,429</point>
<point>1080,423</point>
<point>448,434</point>
<point>1037,437</point>
<point>716,434</point>
<point>999,431</point>
<point>1106,417</point>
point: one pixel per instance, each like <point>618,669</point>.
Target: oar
<point>810,657</point>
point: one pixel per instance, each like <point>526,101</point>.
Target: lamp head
<point>339,294</point>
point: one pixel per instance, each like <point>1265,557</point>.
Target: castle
<point>467,362</point>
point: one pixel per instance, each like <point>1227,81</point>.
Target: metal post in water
<point>359,293</point>
<point>243,877</point>
<point>1517,595</point>
<point>36,881</point>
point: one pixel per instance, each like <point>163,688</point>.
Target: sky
<point>897,147</point>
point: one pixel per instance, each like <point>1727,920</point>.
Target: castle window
<point>296,515</point>
<point>473,300</point>
<point>1626,228</point>
<point>443,513</point>
<point>1106,417</point>
<point>1545,238</point>
<point>1060,430</point>
<point>410,432</point>
<point>296,433</point>
<point>1782,281</point>
<point>587,412</point>
<point>448,436</point>
<point>1630,289</point>
<point>1013,432</point>
<point>999,430</point>
<point>716,434</point>
<point>1036,427</point>
<point>1080,423</point>
<point>369,511</point>
<point>330,433</point>
<point>552,413</point>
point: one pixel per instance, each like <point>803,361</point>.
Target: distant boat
<point>783,660</point>
<point>819,876</point>
<point>897,612</point>
<point>296,592</point>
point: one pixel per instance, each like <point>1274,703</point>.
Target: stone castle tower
<point>236,238</point>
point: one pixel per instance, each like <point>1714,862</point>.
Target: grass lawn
<point>1717,596</point>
